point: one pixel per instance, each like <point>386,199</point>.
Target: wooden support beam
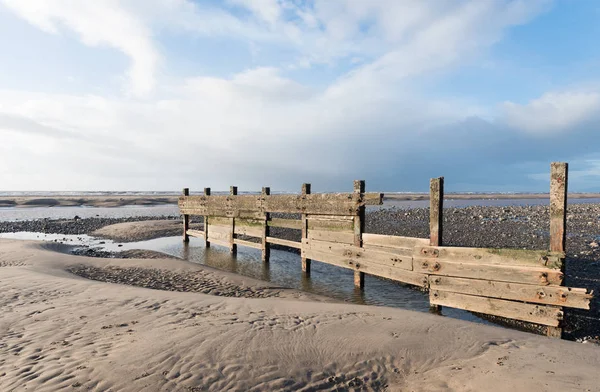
<point>186,219</point>
<point>304,228</point>
<point>266,250</point>
<point>436,220</point>
<point>206,241</point>
<point>359,228</point>
<point>232,245</point>
<point>559,175</point>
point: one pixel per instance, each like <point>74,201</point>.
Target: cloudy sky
<point>161,94</point>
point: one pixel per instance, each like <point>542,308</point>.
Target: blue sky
<point>162,94</point>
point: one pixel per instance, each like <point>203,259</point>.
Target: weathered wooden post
<point>186,219</point>
<point>559,177</point>
<point>359,227</point>
<point>436,219</point>
<point>233,190</point>
<point>206,241</point>
<point>305,261</point>
<point>266,251</point>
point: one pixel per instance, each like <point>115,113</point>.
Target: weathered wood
<point>206,241</point>
<point>515,257</point>
<point>345,237</point>
<point>249,244</point>
<point>251,231</point>
<point>186,219</point>
<point>548,295</point>
<point>540,314</point>
<point>304,228</point>
<point>558,205</point>
<point>233,190</point>
<point>515,274</point>
<point>360,254</point>
<point>219,242</point>
<point>359,228</point>
<point>285,223</point>
<point>366,266</point>
<point>436,210</point>
<point>279,241</point>
<point>266,250</point>
<point>330,224</point>
<point>219,235</point>
<point>393,241</point>
<point>255,205</point>
<point>196,233</point>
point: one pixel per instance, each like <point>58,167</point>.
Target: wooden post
<point>186,219</point>
<point>305,261</point>
<point>232,247</point>
<point>359,227</point>
<point>206,241</point>
<point>436,220</point>
<point>559,177</point>
<point>266,251</point>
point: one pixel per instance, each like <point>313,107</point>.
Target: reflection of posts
<point>186,219</point>
<point>436,219</point>
<point>305,261</point>
<point>186,250</point>
<point>206,241</point>
<point>266,251</point>
<point>359,227</point>
<point>559,172</point>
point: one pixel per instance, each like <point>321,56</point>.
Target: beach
<point>63,331</point>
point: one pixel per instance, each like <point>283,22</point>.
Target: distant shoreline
<point>138,200</point>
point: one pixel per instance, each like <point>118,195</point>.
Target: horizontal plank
<point>251,231</point>
<point>408,252</point>
<point>219,228</point>
<point>345,237</point>
<point>285,223</point>
<point>249,244</point>
<point>195,233</point>
<point>515,274</point>
<point>279,241</point>
<point>540,314</point>
<point>314,223</point>
<point>219,236</point>
<point>538,258</point>
<point>219,220</point>
<point>249,222</point>
<point>548,295</point>
<point>247,205</point>
<point>393,241</point>
<point>225,244</point>
<point>393,273</point>
<point>359,255</point>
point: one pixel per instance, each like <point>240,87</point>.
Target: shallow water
<point>283,270</point>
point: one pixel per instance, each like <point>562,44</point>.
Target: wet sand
<point>61,331</point>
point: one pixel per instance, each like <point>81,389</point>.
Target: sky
<point>165,94</point>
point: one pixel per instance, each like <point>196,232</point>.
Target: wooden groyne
<point>525,285</point>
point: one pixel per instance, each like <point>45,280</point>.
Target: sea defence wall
<point>525,285</point>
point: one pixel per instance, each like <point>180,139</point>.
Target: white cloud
<point>98,23</point>
<point>553,112</point>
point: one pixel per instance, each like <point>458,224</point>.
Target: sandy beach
<point>62,331</point>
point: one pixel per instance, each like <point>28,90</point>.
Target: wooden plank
<point>515,257</point>
<point>186,219</point>
<point>436,210</point>
<point>360,255</point>
<point>219,220</point>
<point>359,228</point>
<point>330,224</point>
<point>256,205</point>
<point>548,295</point>
<point>285,223</point>
<point>345,237</point>
<point>233,190</point>
<point>393,241</point>
<point>540,314</point>
<point>196,233</point>
<point>515,274</point>
<point>279,241</point>
<point>219,236</point>
<point>266,250</point>
<point>220,229</point>
<point>558,205</point>
<point>225,244</point>
<point>305,191</point>
<point>249,222</point>
<point>249,244</point>
<point>206,224</point>
<point>365,266</point>
<point>251,231</point>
